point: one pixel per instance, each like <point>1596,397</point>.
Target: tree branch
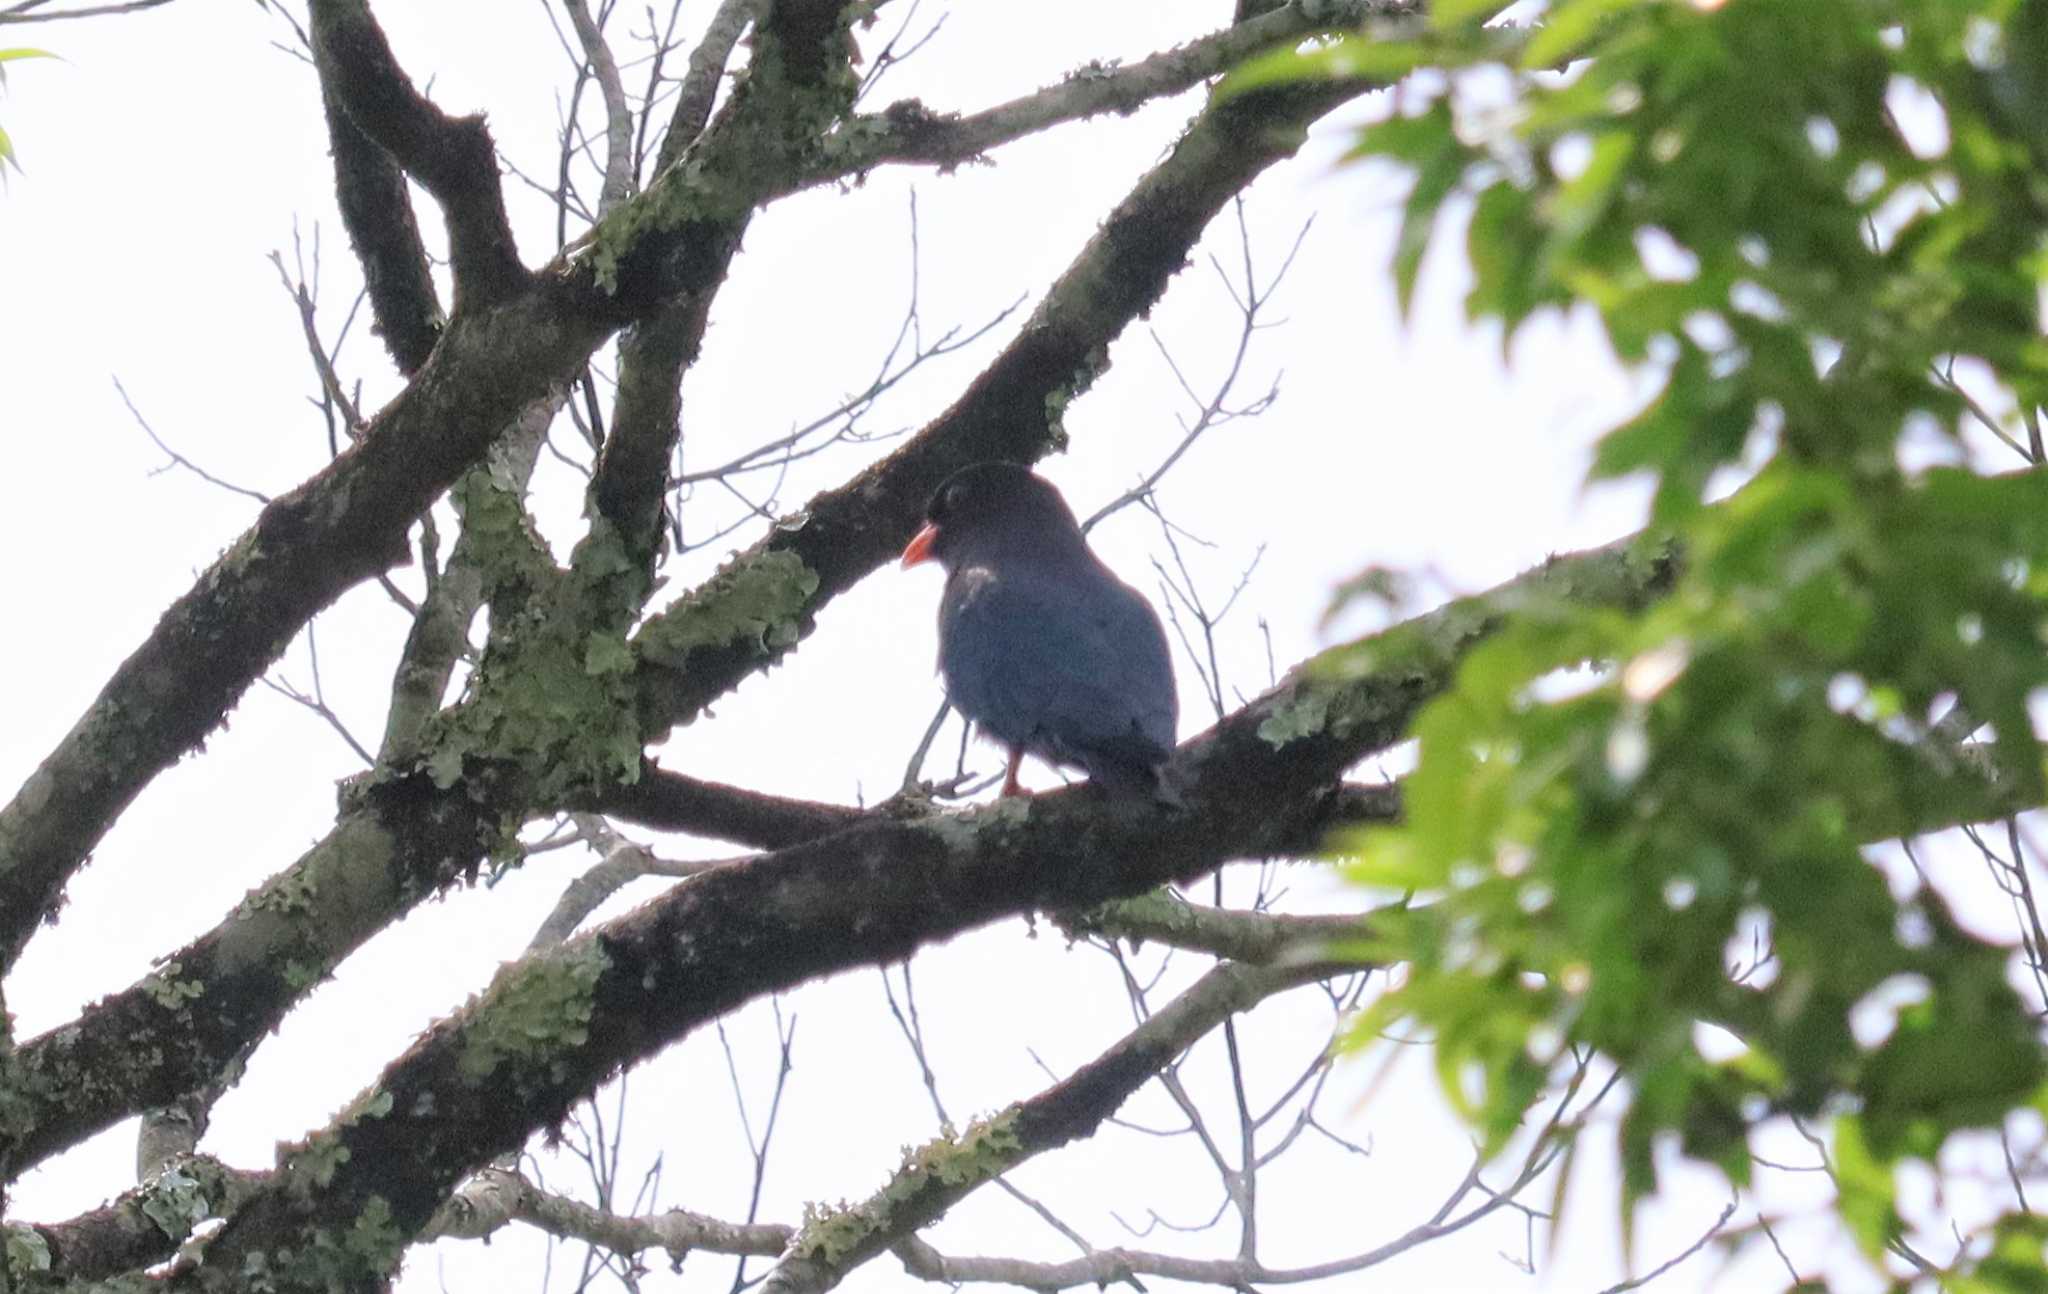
<point>30,11</point>
<point>618,118</point>
<point>500,1197</point>
<point>907,131</point>
<point>941,1173</point>
<point>631,478</point>
<point>677,802</point>
<point>452,157</point>
<point>699,88</point>
<point>1255,938</point>
<point>440,630</point>
<point>145,1224</point>
<point>376,210</point>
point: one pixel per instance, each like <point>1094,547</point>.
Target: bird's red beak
<point>919,549</point>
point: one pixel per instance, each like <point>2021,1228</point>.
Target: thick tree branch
<point>677,802</point>
<point>812,51</point>
<point>453,158</point>
<point>907,131</point>
<point>631,478</point>
<point>146,1224</point>
<point>440,630</point>
<point>1254,938</point>
<point>376,209</point>
<point>912,1199</point>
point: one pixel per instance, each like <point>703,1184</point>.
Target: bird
<point>1041,646</point>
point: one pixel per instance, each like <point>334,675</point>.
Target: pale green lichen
<point>1158,914</point>
<point>27,1253</point>
<point>552,696</point>
<point>985,1150</point>
<point>964,831</point>
<point>313,1163</point>
<point>755,602</point>
<point>534,1012</point>
<point>287,894</point>
<point>1057,400</point>
<point>1301,715</point>
<point>176,1202</point>
<point>363,1255</point>
<point>168,991</point>
<point>372,1104</point>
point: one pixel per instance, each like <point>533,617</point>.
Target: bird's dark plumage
<point>1041,645</point>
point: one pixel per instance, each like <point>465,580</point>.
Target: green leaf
<point>1566,28</point>
<point>1350,55</point>
<point>1865,1187</point>
<point>1429,142</point>
<point>1446,14</point>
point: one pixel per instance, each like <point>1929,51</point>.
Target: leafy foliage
<point>1805,216</point>
<point>9,56</point>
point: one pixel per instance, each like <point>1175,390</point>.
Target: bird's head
<point>990,511</point>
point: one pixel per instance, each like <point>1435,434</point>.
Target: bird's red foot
<point>1012,788</point>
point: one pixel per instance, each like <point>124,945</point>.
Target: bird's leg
<point>1011,787</point>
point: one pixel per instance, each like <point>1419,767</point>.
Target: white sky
<point>174,150</point>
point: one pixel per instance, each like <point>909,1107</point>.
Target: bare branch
<point>499,1196</point>
<point>700,82</point>
<point>179,460</point>
<point>939,1175</point>
<point>1706,1237</point>
<point>32,11</point>
<point>618,118</point>
<point>316,350</point>
<point>1214,412</point>
<point>623,862</point>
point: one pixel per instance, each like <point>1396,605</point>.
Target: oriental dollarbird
<point>1041,646</point>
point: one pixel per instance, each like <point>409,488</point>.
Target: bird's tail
<point>1133,780</point>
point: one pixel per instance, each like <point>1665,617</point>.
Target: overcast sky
<point>173,151</point>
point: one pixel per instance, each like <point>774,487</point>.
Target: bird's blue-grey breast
<point>1040,644</point>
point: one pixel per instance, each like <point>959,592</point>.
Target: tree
<point>1820,226</point>
<point>545,665</point>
